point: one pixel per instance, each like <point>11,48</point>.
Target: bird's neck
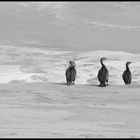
<point>102,63</point>
<point>127,67</point>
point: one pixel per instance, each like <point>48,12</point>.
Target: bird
<point>127,76</point>
<point>103,74</point>
<point>71,73</point>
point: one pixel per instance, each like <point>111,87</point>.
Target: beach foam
<point>40,65</point>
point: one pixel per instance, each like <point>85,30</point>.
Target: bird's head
<point>127,63</point>
<point>72,64</point>
<point>103,59</point>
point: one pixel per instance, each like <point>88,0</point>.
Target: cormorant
<point>127,76</point>
<point>103,74</point>
<point>70,73</point>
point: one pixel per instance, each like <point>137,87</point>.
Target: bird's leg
<point>107,82</point>
<point>102,85</point>
<point>68,83</point>
<point>73,83</point>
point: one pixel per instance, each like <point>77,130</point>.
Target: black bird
<point>127,76</point>
<point>71,73</point>
<point>103,74</point>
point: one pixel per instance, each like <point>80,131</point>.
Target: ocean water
<point>71,26</point>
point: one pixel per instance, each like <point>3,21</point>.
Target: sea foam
<point>41,65</point>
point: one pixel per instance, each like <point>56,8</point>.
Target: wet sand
<point>57,110</point>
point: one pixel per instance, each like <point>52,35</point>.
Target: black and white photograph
<point>69,69</point>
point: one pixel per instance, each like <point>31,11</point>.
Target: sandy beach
<point>37,41</point>
<point>36,102</point>
<point>57,110</point>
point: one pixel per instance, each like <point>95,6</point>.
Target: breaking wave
<point>38,65</point>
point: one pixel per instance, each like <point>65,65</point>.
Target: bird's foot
<point>73,83</point>
<point>69,83</point>
<point>102,85</point>
<point>107,84</point>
